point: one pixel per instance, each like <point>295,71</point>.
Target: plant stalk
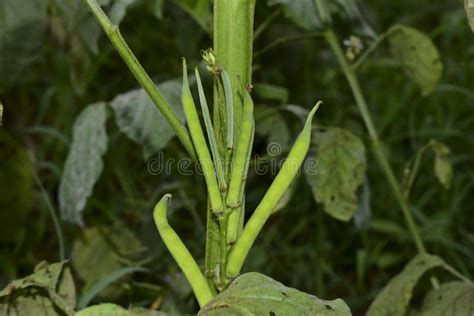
<point>376,144</point>
<point>113,33</point>
<point>233,46</point>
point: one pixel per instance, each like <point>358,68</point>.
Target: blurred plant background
<point>55,62</point>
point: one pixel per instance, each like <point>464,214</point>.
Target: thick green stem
<point>377,146</point>
<point>233,43</point>
<point>113,33</point>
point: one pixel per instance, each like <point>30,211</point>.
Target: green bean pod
<point>270,200</point>
<point>180,253</point>
<point>242,153</point>
<point>235,223</point>
<point>229,102</point>
<point>197,136</point>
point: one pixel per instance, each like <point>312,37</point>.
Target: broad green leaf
<point>469,7</point>
<point>200,10</point>
<point>50,290</point>
<point>395,297</point>
<point>442,167</point>
<point>107,249</point>
<point>339,171</point>
<point>84,162</point>
<point>23,25</point>
<point>450,299</point>
<point>271,92</point>
<point>417,55</point>
<point>115,310</point>
<point>137,116</point>
<point>256,294</point>
<point>16,189</point>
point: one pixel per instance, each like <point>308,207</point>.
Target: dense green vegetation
<point>386,185</point>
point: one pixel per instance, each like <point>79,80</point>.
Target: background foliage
<point>55,65</point>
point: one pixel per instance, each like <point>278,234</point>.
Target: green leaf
<point>395,297</point>
<point>200,10</point>
<point>256,294</point>
<point>16,189</point>
<point>417,55</point>
<point>49,290</point>
<point>23,26</point>
<point>271,92</point>
<point>137,116</point>
<point>84,162</point>
<point>450,299</point>
<point>469,7</point>
<point>339,171</point>
<point>442,167</point>
<point>115,310</point>
<point>106,249</point>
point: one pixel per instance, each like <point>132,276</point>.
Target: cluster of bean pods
<point>226,192</point>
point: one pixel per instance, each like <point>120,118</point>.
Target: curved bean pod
<point>241,157</point>
<point>200,145</point>
<point>180,253</point>
<point>275,192</point>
